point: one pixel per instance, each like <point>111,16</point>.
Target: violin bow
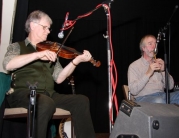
<point>65,39</point>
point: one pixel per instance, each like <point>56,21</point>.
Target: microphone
<point>61,34</point>
<point>159,37</point>
<point>156,47</point>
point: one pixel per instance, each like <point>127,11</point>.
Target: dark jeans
<point>78,105</point>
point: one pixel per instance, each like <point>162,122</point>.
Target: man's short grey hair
<point>142,42</point>
<point>36,16</point>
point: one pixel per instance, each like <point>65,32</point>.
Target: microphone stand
<point>31,110</point>
<point>166,71</point>
<point>107,36</point>
<point>163,33</point>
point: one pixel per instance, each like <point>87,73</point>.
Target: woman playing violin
<point>26,64</point>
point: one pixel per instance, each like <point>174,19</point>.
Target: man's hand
<point>47,55</point>
<point>85,57</point>
<point>155,66</point>
<point>161,64</point>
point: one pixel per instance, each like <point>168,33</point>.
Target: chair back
<point>5,81</point>
<point>127,93</point>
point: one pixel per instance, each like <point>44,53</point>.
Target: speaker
<point>146,120</point>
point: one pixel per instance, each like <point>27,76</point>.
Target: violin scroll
<point>95,63</point>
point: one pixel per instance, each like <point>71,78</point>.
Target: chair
<point>12,113</point>
<point>127,93</point>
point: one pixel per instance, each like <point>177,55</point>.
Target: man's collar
<point>27,42</point>
<point>144,61</point>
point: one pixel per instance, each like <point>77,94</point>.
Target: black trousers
<point>78,105</point>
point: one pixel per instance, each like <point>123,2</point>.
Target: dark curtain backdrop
<point>19,22</point>
<point>130,21</point>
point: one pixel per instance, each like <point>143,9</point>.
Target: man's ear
<point>143,48</point>
<point>32,25</point>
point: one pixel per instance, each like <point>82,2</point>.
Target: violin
<point>62,51</point>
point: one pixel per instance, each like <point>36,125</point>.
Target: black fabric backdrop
<point>130,21</point>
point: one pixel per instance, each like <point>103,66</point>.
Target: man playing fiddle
<point>28,65</point>
<point>146,76</point>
